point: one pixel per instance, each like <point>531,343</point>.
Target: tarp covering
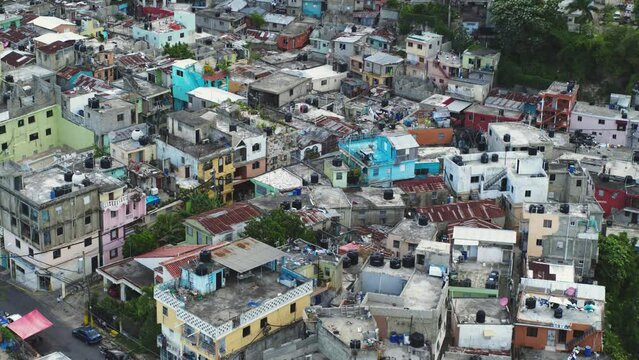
<point>30,324</point>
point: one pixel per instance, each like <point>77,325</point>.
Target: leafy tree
<point>168,228</point>
<point>139,243</point>
<point>257,20</point>
<point>200,202</point>
<point>587,9</point>
<point>433,15</point>
<point>460,40</point>
<point>393,4</point>
<point>524,26</point>
<point>276,227</point>
<point>179,51</point>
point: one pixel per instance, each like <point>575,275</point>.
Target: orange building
<point>558,316</point>
<point>556,105</point>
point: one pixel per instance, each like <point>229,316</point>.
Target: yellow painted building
<point>222,163</point>
<point>536,226</point>
<point>230,309</point>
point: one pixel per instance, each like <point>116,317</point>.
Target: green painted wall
<point>466,292</point>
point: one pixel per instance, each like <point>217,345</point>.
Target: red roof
<point>17,35</point>
<point>431,183</point>
<point>473,223</point>
<point>219,220</point>
<point>482,209</point>
<point>17,59</point>
<point>30,324</point>
<point>68,72</point>
<point>54,47</point>
<point>174,265</point>
<point>170,251</point>
<point>335,125</point>
<point>312,216</point>
<point>91,83</point>
<point>135,59</point>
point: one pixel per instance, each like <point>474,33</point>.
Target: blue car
<point>87,334</point>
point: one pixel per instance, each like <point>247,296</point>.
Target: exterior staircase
<point>441,69</point>
<point>576,341</point>
<point>492,181</point>
<point>474,195</point>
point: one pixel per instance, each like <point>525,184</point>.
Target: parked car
<point>112,354</point>
<point>616,16</point>
<point>87,334</point>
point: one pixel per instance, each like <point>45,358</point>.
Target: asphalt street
<point>56,338</point>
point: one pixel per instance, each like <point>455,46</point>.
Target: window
<point>87,200</point>
<point>3,129</point>
<point>165,311</point>
<point>342,46</point>
<point>548,224</point>
<point>114,214</point>
<point>419,46</point>
<point>324,82</point>
<point>21,123</point>
<point>450,177</point>
<point>578,118</point>
<point>31,252</point>
<point>87,220</point>
<point>18,245</point>
<point>421,59</point>
<point>181,35</point>
<point>60,231</point>
<point>375,172</point>
<point>552,177</point>
<point>541,148</point>
<point>49,114</point>
<point>57,253</point>
<point>396,244</point>
<point>577,334</point>
<point>602,122</point>
<point>113,253</point>
<point>256,147</point>
<point>33,137</point>
<point>527,193</point>
<point>531,332</point>
<point>474,179</point>
<point>5,146</point>
<point>263,323</point>
<point>189,230</point>
<point>114,234</point>
<point>170,38</point>
<point>47,132</point>
<point>412,247</point>
<point>246,331</point>
<point>578,183</point>
<point>410,44</point>
<point>45,215</point>
<point>120,117</point>
<point>293,308</point>
<point>614,136</point>
<point>290,92</point>
<point>256,165</point>
<point>339,176</point>
<point>179,73</point>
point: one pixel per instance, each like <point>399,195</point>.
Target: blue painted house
<point>312,8</point>
<point>380,158</point>
<point>188,75</point>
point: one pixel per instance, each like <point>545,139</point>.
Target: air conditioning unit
<point>205,141</point>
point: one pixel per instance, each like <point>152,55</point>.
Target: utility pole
<point>88,288</point>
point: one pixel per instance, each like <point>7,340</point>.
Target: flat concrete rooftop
<point>466,310</point>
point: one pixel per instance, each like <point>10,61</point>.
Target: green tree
<point>200,202</point>
<point>257,20</point>
<point>460,40</point>
<point>179,51</point>
<point>434,15</point>
<point>587,9</point>
<point>277,226</point>
<point>139,243</point>
<point>168,228</point>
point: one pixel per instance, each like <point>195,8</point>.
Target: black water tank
<point>480,318</point>
<point>408,261</point>
<point>388,194</point>
<point>507,138</point>
<point>564,208</point>
<point>346,262</point>
<point>304,108</point>
<point>205,256</point>
<point>88,162</point>
<point>485,158</point>
<point>86,182</point>
<point>532,151</point>
<point>422,221</point>
<point>68,176</point>
<point>288,117</point>
<point>551,133</point>
<point>314,178</point>
<point>105,162</point>
<point>201,270</point>
<point>353,256</point>
<point>494,157</point>
<point>285,205</point>
<point>385,103</point>
<point>337,162</point>
<point>297,204</point>
<point>464,150</point>
<point>629,180</point>
<point>309,101</point>
<point>395,263</point>
<point>531,303</point>
<point>532,209</point>
<point>377,260</point>
<point>416,340</point>
<point>541,209</point>
<point>559,313</point>
<point>143,140</point>
<point>268,131</point>
<point>95,103</point>
<point>481,146</point>
<point>467,283</point>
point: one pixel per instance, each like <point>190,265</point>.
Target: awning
<point>30,324</point>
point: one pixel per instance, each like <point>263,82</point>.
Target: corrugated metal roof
<point>482,209</point>
<point>431,183</point>
<point>403,142</point>
<point>220,220</point>
<point>246,254</point>
<point>472,222</point>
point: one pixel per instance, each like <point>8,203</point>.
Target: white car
<point>616,16</point>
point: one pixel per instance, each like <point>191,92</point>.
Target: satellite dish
<point>503,301</point>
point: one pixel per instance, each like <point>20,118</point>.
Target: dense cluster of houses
<point>453,219</point>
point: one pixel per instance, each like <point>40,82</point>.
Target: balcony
<point>114,205</point>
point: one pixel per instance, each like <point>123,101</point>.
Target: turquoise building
<point>188,75</point>
<point>312,8</point>
<point>380,159</point>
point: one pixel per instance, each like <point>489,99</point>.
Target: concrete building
<point>179,28</point>
<point>521,137</point>
<point>540,324</point>
<point>209,97</point>
<point>556,105</point>
<point>568,182</point>
<point>375,206</point>
<point>277,90</point>
<point>330,198</point>
<point>380,68</point>
<point>405,237</point>
<point>480,60</point>
<point>323,78</point>
<point>606,125</point>
<point>346,45</point>
<point>443,215</point>
<point>56,56</point>
<point>277,22</point>
<point>131,146</point>
<point>152,101</point>
<point>245,303</point>
<point>425,192</point>
<point>277,182</point>
<point>51,24</point>
<point>519,176</point>
<point>294,36</point>
<point>189,75</point>
<point>565,233</point>
<point>217,225</point>
<point>492,330</point>
<point>480,117</point>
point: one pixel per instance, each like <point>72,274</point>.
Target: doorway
<point>44,283</point>
<point>187,171</point>
<point>561,339</point>
<point>197,136</point>
<point>94,264</point>
<point>634,218</point>
<point>550,339</point>
<point>218,280</point>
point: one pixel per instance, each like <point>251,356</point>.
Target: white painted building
<point>323,78</point>
<point>471,330</point>
<point>607,126</point>
<point>520,137</point>
<point>517,175</point>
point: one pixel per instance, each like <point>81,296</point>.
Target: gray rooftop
<point>482,109</point>
<point>384,58</point>
<point>131,271</point>
<point>328,197</point>
<point>466,311</point>
<point>422,292</point>
<point>410,231</point>
<point>246,254</point>
<point>371,197</point>
<point>277,83</point>
<point>193,119</point>
<point>25,73</point>
<point>520,134</point>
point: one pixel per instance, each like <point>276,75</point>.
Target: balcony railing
<point>114,204</point>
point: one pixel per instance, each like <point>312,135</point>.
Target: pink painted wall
<point>114,221</point>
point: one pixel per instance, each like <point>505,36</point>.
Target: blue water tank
<point>52,194</point>
<point>587,351</point>
<point>571,168</point>
<point>408,123</point>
